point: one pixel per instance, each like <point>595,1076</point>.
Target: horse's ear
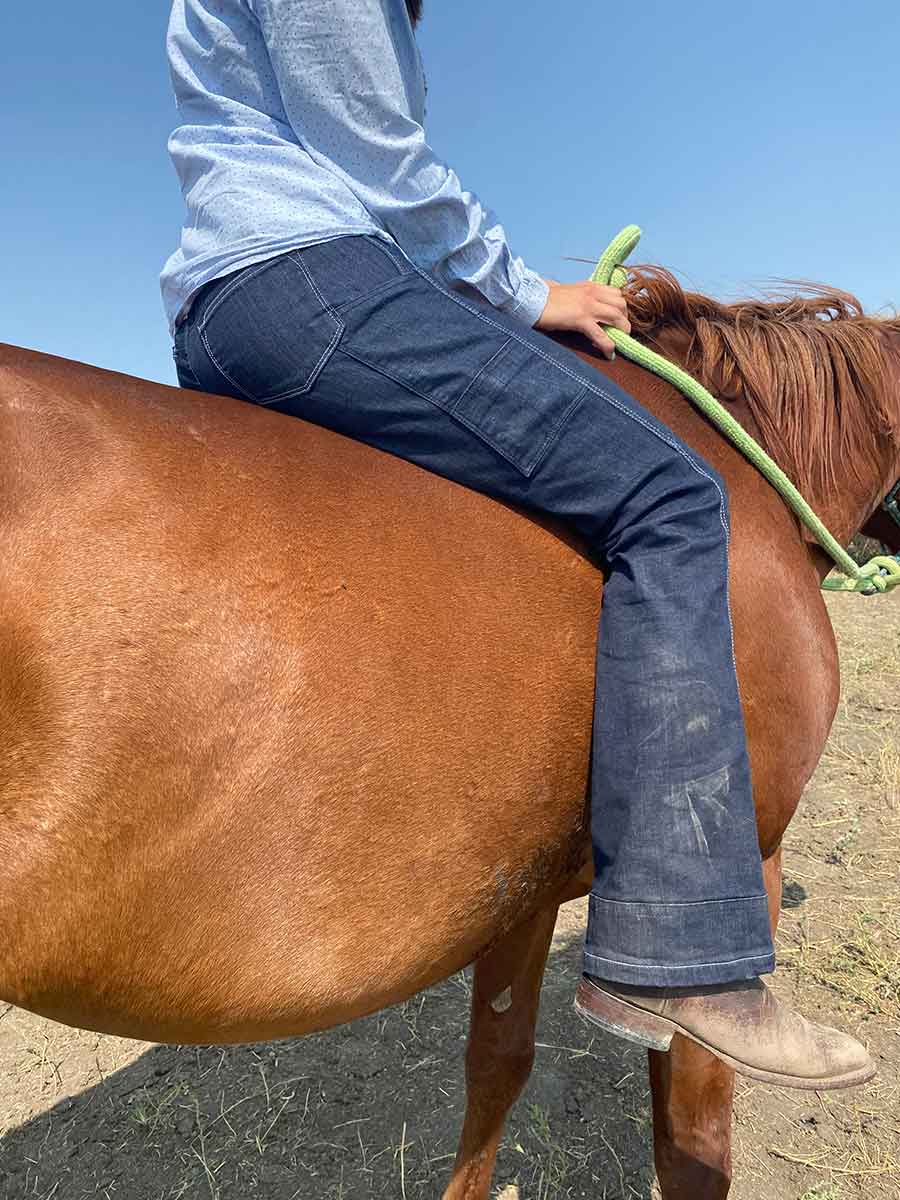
<point>414,8</point>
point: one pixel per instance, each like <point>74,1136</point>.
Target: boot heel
<point>621,1018</point>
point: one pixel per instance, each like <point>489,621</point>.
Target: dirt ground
<point>373,1109</point>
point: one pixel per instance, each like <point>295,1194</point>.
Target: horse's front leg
<point>505,995</point>
<point>692,1101</point>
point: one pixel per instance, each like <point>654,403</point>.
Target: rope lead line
<point>880,574</point>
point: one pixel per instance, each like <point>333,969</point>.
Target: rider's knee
<point>706,492</point>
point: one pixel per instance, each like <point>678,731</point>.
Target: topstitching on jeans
<point>218,366</point>
<point>374,293</point>
<point>484,366</point>
<point>186,376</point>
<point>241,277</point>
<point>302,267</point>
<point>402,263</point>
<point>679,903</point>
<point>246,276</point>
<point>633,966</point>
<point>477,430</point>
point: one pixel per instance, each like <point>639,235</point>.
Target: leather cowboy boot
<point>741,1023</point>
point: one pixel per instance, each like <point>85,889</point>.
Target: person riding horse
<point>332,267</point>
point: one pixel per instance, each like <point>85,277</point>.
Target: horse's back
<point>289,727</point>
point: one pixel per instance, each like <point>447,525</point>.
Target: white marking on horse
<point>503,1002</point>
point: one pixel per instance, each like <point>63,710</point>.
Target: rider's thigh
<point>348,333</point>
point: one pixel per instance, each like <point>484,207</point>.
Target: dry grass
<point>840,948</point>
<point>860,963</point>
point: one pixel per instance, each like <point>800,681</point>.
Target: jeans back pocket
<point>268,332</point>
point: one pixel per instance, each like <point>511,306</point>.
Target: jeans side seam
<point>393,378</point>
<point>402,264</point>
<point>436,283</point>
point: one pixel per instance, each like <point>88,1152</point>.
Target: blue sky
<point>748,141</point>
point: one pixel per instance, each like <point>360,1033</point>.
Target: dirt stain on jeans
<point>698,802</point>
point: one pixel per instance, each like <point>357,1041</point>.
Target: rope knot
<point>880,574</point>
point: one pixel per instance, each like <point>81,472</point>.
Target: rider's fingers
<point>611,296</point>
<point>601,340</point>
<point>610,316</point>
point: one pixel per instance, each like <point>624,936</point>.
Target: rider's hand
<point>586,307</point>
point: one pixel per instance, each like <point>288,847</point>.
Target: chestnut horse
<point>266,763</point>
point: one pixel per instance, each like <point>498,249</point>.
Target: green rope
<point>880,574</point>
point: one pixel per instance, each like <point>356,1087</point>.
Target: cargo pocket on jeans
<point>505,391</point>
<point>518,403</point>
<point>268,331</point>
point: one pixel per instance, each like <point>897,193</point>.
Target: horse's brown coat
<point>290,728</point>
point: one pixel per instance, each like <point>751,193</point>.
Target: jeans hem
<point>686,943</point>
<point>688,975</point>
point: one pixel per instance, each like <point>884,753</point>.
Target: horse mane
<point>813,369</point>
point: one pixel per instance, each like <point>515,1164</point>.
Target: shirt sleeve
<point>339,70</point>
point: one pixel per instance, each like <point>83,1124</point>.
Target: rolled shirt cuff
<point>530,298</point>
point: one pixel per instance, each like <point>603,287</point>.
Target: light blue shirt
<point>302,120</point>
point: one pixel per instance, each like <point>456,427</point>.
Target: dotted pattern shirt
<point>301,120</point>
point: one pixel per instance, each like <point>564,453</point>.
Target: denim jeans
<point>350,334</point>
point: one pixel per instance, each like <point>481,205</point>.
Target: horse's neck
<point>858,489</point>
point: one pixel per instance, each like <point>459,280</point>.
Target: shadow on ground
<point>372,1109</point>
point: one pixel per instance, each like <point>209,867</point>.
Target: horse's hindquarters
<point>261,776</point>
